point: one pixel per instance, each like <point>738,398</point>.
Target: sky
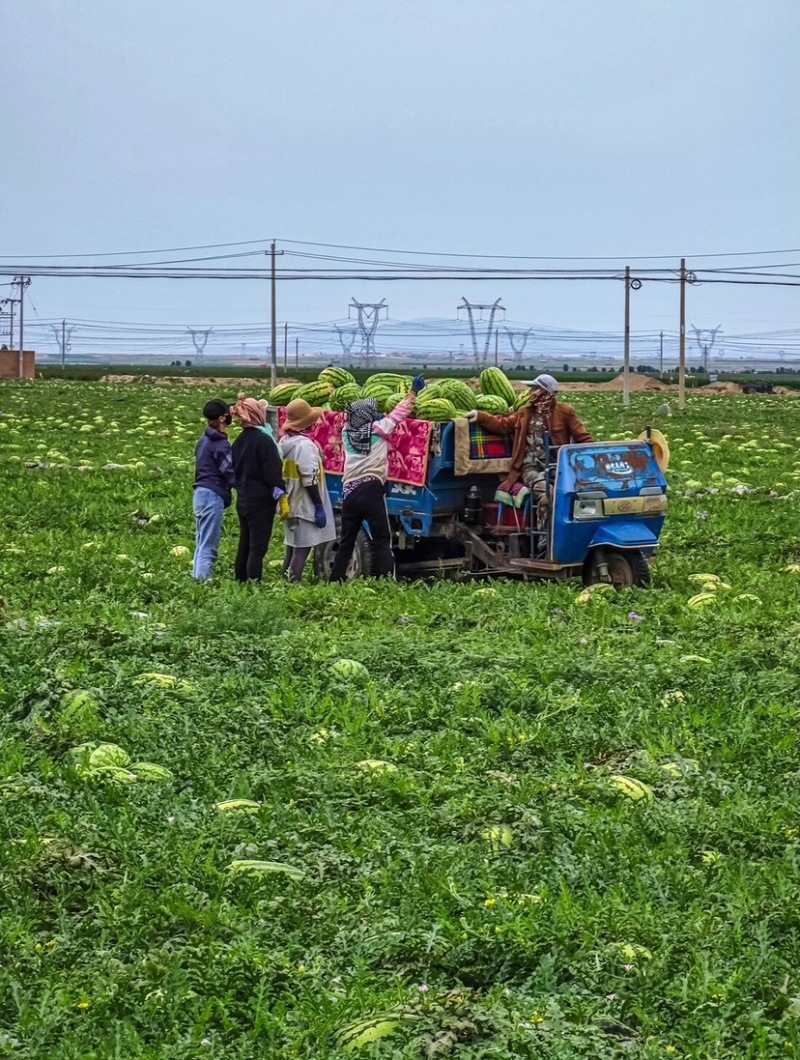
<point>513,127</point>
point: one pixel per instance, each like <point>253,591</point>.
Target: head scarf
<point>250,412</point>
<point>361,415</point>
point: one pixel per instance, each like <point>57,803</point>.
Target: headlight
<point>588,508</point>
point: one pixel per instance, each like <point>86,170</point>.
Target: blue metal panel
<point>625,535</point>
<point>619,469</point>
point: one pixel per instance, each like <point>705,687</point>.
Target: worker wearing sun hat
<point>542,415</point>
<point>310,522</point>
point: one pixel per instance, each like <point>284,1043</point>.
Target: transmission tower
<point>200,339</point>
<point>481,356</point>
<point>63,335</point>
<point>520,337</point>
<point>368,317</point>
<point>347,338</point>
<point>705,340</point>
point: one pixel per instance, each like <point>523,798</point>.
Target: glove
<point>277,493</point>
<point>472,416</point>
<point>418,384</point>
<point>320,518</point>
<point>283,507</point>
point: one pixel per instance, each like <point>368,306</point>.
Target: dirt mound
<point>638,384</point>
<point>722,388</point>
<point>187,380</point>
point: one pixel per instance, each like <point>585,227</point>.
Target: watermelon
<point>349,670</point>
<point>497,406</point>
<point>493,381</point>
<point>393,401</point>
<point>392,381</point>
<point>439,410</point>
<point>336,377</point>
<point>380,393</point>
<point>522,399</point>
<point>316,393</point>
<point>459,393</point>
<point>108,754</point>
<point>344,396</point>
<point>434,390</point>
<point>150,771</point>
<point>282,394</point>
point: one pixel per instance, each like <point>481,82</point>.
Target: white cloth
<point>302,467</point>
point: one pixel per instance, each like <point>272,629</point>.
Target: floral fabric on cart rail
<point>409,446</point>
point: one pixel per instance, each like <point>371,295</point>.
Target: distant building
<point>9,364</point>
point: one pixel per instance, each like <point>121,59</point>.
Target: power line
<point>531,257</point>
<point>419,253</point>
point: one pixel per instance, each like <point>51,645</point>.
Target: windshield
<point>624,466</point>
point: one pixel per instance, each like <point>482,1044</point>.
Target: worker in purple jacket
<point>213,478</point>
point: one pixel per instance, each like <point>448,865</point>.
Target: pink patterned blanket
<point>408,447</point>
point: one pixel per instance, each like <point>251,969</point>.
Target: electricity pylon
<point>368,317</point>
<point>481,356</point>
<point>347,338</point>
<point>200,339</point>
<point>63,334</point>
<point>704,344</point>
<point>518,337</point>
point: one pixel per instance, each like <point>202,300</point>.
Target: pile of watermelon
<point>440,401</point>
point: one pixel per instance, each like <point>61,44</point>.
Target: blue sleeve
<point>224,457</point>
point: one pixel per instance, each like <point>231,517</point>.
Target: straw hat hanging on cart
<point>659,445</point>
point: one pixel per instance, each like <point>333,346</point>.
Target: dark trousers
<point>366,504</point>
<point>256,516</point>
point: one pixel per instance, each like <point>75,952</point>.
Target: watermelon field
<point>533,822</point>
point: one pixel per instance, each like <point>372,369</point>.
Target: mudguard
<point>624,535</point>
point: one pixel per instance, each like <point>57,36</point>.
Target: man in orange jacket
<point>542,415</point>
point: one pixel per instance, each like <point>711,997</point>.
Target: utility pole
<point>496,333</point>
<point>297,351</point>
<point>10,302</point>
<point>682,348</point>
<point>273,377</point>
<point>661,354</point>
<point>285,346</point>
<point>626,371</point>
<point>23,281</point>
<point>630,285</point>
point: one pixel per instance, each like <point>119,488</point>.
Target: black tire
<point>360,564</point>
<point>626,569</point>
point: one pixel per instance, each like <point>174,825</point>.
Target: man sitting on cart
<point>542,416</point>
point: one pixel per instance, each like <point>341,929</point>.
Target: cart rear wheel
<point>625,569</point>
<point>360,563</point>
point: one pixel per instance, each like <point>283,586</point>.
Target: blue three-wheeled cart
<point>606,506</point>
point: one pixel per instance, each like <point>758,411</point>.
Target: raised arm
<point>400,412</point>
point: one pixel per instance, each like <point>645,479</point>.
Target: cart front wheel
<point>625,569</point>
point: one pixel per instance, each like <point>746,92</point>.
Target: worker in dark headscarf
<point>366,470</point>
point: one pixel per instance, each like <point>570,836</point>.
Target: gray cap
<point>544,382</point>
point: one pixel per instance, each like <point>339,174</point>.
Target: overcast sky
<point>530,127</point>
